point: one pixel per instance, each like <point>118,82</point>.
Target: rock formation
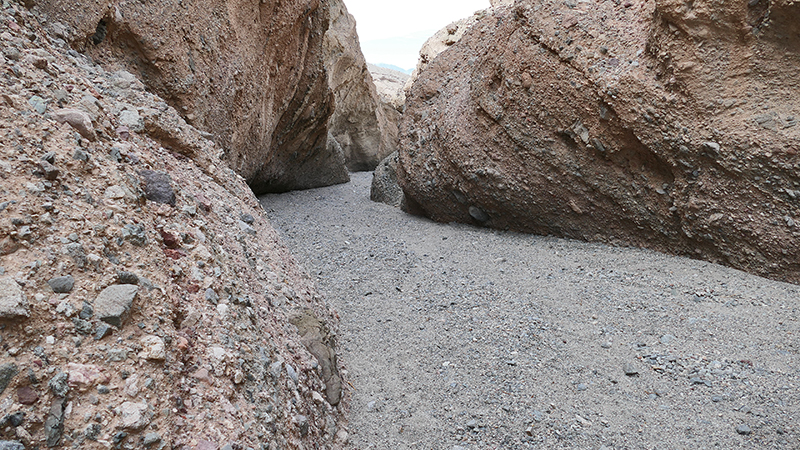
<point>363,128</point>
<point>659,124</point>
<point>250,73</point>
<point>390,85</point>
<point>145,300</point>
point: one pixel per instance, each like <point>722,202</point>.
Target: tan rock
<point>616,124</point>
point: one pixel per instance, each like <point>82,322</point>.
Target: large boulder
<point>252,73</point>
<point>657,124</point>
<point>364,129</point>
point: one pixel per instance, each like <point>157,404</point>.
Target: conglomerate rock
<point>251,73</point>
<point>128,320</point>
<point>661,124</point>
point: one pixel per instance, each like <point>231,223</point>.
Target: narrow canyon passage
<point>459,337</point>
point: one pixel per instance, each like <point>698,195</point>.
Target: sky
<point>393,32</point>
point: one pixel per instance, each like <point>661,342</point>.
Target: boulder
<point>359,123</point>
<point>250,73</point>
<point>655,124</point>
<point>384,188</point>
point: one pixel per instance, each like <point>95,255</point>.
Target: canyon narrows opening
<point>454,336</point>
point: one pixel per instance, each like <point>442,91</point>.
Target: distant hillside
<point>393,67</point>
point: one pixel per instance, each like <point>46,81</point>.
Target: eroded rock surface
<point>656,124</point>
<point>359,124</point>
<point>250,73</point>
<point>129,317</point>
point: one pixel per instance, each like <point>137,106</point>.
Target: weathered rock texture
<point>366,132</point>
<point>659,124</point>
<point>390,85</point>
<point>384,187</point>
<point>199,290</point>
<point>252,73</point>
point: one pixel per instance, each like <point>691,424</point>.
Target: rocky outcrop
<point>366,132</point>
<point>657,124</point>
<point>145,300</point>
<point>390,85</point>
<point>250,73</point>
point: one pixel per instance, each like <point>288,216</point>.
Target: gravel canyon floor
<point>456,337</point>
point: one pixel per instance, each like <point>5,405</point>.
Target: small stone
<point>211,296</point>
<point>171,240</point>
<point>61,285</point>
<point>158,187</point>
<point>82,326</point>
<point>84,376</point>
<point>12,301</point>
<point>247,218</point>
<point>103,389</point>
<point>291,372</point>
<point>27,396</point>
<point>606,345</point>
<point>206,445</point>
<point>135,416</point>
<point>151,438</point>
<point>582,387</point>
<point>743,429</point>
<point>630,370</point>
<point>153,348</point>
<point>59,384</point>
<point>11,445</point>
<point>14,420</point>
<point>537,415</point>
<point>478,214</point>
<point>246,228</point>
<point>101,331</point>
<point>38,104</point>
<point>54,424</point>
<point>12,53</point>
<point>114,302</point>
<point>7,373</point>
<point>135,234</point>
<point>472,424</point>
<point>716,399</point>
<point>127,278</point>
<point>132,120</point>
<point>92,432</point>
<point>78,254</point>
<point>114,192</point>
<point>78,120</point>
<point>50,171</point>
<point>80,155</point>
<point>302,424</point>
<point>667,338</point>
<point>86,312</point>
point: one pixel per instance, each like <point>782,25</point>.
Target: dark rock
<point>50,171</point>
<point>59,384</point>
<point>135,234</point>
<point>61,285</point>
<point>127,278</point>
<point>158,187</point>
<point>171,240</point>
<point>114,302</point>
<point>86,311</point>
<point>13,420</point>
<point>54,424</point>
<point>743,429</point>
<point>93,431</point>
<point>7,373</point>
<point>247,218</point>
<point>82,326</point>
<point>101,331</point>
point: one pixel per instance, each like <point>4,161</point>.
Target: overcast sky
<point>393,32</point>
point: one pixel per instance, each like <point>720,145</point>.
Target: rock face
<point>360,125</point>
<point>656,124</point>
<point>117,288</point>
<point>390,85</point>
<point>251,73</point>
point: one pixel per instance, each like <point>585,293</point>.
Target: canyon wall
<point>655,124</point>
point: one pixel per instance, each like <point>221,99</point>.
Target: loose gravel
<point>457,337</point>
